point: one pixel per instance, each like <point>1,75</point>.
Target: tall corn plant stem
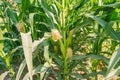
<point>64,41</point>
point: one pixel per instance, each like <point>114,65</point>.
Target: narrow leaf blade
<point>27,48</point>
<point>114,59</point>
<point>3,75</point>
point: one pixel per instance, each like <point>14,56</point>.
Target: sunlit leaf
<point>112,5</point>
<point>27,48</point>
<point>35,71</point>
<point>35,49</point>
<point>43,70</point>
<point>21,68</point>
<point>113,73</point>
<point>3,75</point>
<point>46,53</point>
<point>113,61</point>
<point>31,1</point>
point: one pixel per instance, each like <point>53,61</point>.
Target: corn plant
<point>60,39</point>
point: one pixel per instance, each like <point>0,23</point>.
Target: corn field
<point>59,39</point>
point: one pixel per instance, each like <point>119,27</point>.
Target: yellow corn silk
<point>20,27</point>
<point>9,1</point>
<point>56,35</point>
<point>69,52</point>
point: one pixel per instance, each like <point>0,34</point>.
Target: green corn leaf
<point>31,18</point>
<point>113,61</point>
<point>78,57</point>
<point>104,24</point>
<point>46,53</point>
<point>3,75</point>
<point>58,4</point>
<point>25,4</point>
<point>110,31</point>
<point>11,14</point>
<point>55,9</point>
<point>113,73</point>
<point>49,13</point>
<point>35,71</point>
<point>21,68</point>
<point>77,76</point>
<point>27,48</point>
<point>112,5</point>
<point>83,24</point>
<point>92,56</point>
<point>43,70</point>
<point>57,59</point>
<point>58,76</point>
<point>13,51</point>
<point>31,21</point>
<point>98,57</point>
<point>100,21</point>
